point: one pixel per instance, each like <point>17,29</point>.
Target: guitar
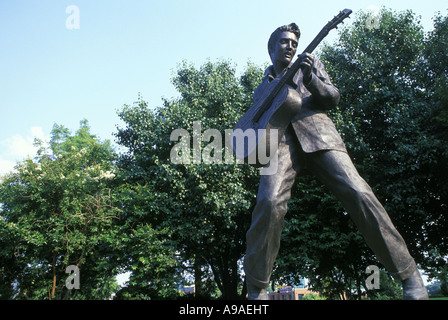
<point>262,126</point>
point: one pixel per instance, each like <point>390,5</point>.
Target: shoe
<point>414,289</point>
<point>256,293</point>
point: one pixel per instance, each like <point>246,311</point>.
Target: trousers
<point>334,169</point>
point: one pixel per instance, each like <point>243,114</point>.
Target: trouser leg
<point>336,170</point>
<point>263,237</point>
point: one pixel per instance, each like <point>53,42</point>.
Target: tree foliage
<point>397,94</point>
<point>56,211</point>
<point>202,206</point>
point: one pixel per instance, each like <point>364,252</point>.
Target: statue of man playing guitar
<point>311,142</point>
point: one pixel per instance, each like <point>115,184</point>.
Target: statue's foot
<point>414,289</point>
<point>255,293</point>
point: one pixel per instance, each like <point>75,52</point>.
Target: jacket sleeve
<point>323,91</point>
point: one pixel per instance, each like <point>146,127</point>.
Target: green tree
<point>389,289</point>
<point>313,296</point>
<point>148,256</point>
<point>204,207</point>
<point>388,97</point>
<point>436,75</point>
<point>437,268</point>
<point>57,210</point>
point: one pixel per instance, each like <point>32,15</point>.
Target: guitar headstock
<point>333,24</point>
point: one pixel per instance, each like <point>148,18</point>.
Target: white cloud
<point>6,166</point>
<point>17,148</point>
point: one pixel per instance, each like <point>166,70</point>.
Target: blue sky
<point>51,74</point>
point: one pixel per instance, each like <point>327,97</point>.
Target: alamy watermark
<point>73,280</point>
<point>73,20</point>
<point>373,19</point>
<point>373,280</point>
<point>189,150</point>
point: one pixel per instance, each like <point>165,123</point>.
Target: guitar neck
<point>313,45</point>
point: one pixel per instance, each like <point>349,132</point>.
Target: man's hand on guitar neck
<point>307,65</point>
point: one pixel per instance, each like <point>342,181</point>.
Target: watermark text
<point>72,281</point>
<point>373,280</point>
<point>73,20</point>
<point>189,148</point>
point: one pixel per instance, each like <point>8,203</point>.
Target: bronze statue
<point>312,142</point>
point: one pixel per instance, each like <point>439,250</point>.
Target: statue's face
<point>284,49</point>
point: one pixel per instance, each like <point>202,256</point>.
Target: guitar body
<point>252,140</point>
<point>263,125</point>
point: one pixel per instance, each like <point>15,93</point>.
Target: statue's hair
<point>292,27</point>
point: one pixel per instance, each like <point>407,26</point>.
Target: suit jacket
<point>312,126</point>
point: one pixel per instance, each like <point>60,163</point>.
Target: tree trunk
<point>198,292</point>
<point>54,278</point>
